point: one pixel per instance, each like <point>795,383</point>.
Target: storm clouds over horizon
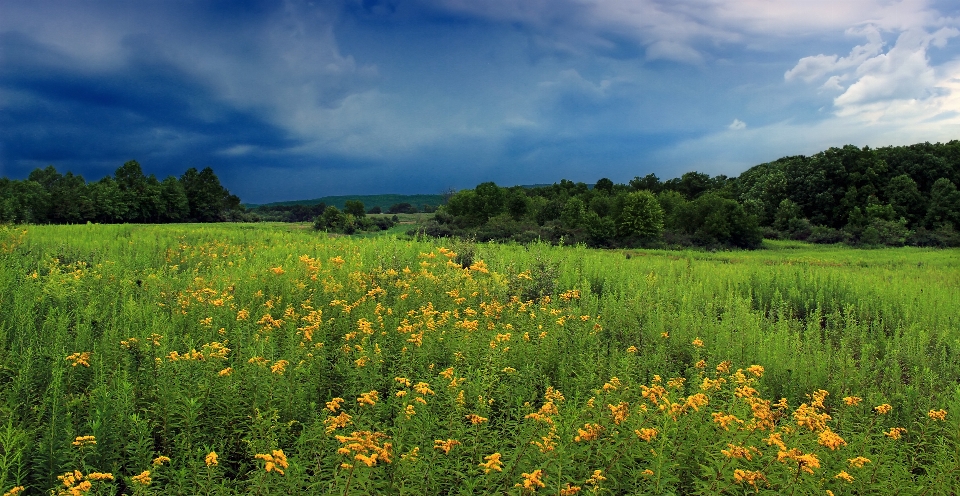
<point>296,100</point>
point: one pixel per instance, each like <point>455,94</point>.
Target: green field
<point>263,359</point>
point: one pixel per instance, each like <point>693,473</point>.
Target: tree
<point>650,182</point>
<point>905,197</point>
<point>176,207</point>
<point>944,204</point>
<point>209,200</point>
<point>355,208</point>
<point>641,215</point>
<point>573,213</point>
<point>604,185</point>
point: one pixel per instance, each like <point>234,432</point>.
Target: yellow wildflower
<point>883,409</point>
<point>334,404</point>
<point>160,460</point>
<point>596,478</point>
<point>143,478</point>
<point>533,480</point>
<point>590,432</point>
<point>749,476</point>
<point>492,463</point>
<point>937,414</point>
<point>646,433</point>
<point>476,419</point>
<point>697,342</point>
<point>858,462</point>
<point>211,459</point>
<point>844,475</point>
<point>275,461</point>
<point>84,441</point>
<point>445,446</point>
<point>369,398</point>
<point>279,367</point>
<point>830,439</point>
<point>852,400</point>
<point>19,489</point>
<point>79,359</point>
<point>895,432</point>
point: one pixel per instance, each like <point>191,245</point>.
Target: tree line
<point>895,196</point>
<point>49,197</point>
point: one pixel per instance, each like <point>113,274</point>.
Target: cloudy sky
<point>299,99</point>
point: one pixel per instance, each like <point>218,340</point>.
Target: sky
<point>302,99</point>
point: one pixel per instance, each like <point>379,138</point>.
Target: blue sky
<point>296,100</point>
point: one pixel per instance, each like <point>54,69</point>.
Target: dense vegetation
<point>49,197</point>
<point>393,204</point>
<point>886,196</point>
<point>248,359</point>
<point>895,196</point>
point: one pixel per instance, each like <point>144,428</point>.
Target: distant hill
<point>369,201</point>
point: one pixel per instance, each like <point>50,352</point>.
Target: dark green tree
<point>355,208</point>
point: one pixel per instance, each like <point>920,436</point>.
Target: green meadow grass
<point>259,359</point>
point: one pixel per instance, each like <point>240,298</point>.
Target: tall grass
<point>235,359</point>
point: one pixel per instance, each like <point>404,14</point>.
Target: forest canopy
<point>895,196</point>
<point>49,197</point>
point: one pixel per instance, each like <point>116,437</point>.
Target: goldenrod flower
<point>279,367</point>
<point>569,490</point>
<point>852,400</point>
<point>646,433</point>
<point>79,359</point>
<point>590,432</point>
<point>334,404</point>
<point>749,476</point>
<point>160,460</point>
<point>883,409</point>
<point>16,490</point>
<point>143,478</point>
<point>476,419</point>
<point>895,432</point>
<point>334,423</point>
<point>369,398</point>
<point>423,388</point>
<point>225,372</point>
<point>697,342</point>
<point>736,451</point>
<point>533,480</point>
<point>937,414</point>
<point>445,446</point>
<point>805,462</point>
<point>84,441</point>
<point>275,461</point>
<point>844,476</point>
<point>211,459</point>
<point>632,349</point>
<point>830,439</point>
<point>492,463</point>
<point>756,370</point>
<point>858,462</point>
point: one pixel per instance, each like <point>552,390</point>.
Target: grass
<point>239,359</point>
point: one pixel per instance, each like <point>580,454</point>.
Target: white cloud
<point>737,125</point>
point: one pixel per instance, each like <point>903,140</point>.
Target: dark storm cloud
<point>306,98</point>
<point>146,108</point>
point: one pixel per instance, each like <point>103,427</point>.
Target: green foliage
<point>355,208</point>
<point>657,373</point>
<point>641,215</point>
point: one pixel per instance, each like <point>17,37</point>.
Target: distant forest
<point>895,196</point>
<point>49,197</point>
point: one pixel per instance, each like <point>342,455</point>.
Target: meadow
<point>258,359</point>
